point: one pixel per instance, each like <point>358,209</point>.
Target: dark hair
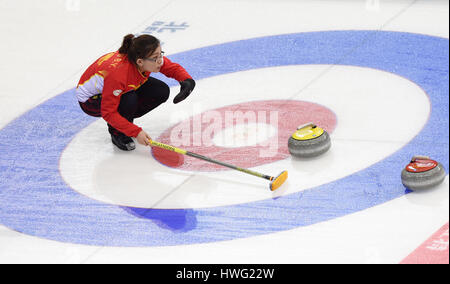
<point>138,47</point>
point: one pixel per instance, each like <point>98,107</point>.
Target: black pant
<point>133,104</point>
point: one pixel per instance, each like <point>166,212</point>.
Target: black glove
<point>186,88</point>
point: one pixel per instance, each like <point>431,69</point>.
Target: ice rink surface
<point>374,74</point>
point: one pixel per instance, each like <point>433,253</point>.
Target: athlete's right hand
<point>143,138</point>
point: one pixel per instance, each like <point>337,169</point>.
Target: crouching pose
<point>118,87</point>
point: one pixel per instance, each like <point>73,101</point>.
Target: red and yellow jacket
<point>113,75</point>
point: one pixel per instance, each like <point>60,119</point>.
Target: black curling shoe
<point>123,142</point>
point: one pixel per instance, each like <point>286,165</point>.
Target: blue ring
<point>35,200</point>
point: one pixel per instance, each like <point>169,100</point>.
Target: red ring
<point>291,114</point>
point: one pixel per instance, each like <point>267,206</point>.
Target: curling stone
<point>422,173</point>
<point>309,141</point>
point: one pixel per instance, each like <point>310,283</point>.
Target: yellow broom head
<point>278,181</point>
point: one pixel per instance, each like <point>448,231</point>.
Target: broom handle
<point>184,152</point>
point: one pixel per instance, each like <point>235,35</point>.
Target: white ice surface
<point>48,44</point>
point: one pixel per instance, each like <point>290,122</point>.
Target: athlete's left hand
<point>186,88</point>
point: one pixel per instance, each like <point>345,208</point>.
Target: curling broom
<point>275,182</point>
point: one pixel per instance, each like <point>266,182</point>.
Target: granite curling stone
<point>309,141</point>
<point>422,173</point>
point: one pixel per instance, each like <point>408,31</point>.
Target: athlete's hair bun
<point>138,47</point>
<point>126,43</point>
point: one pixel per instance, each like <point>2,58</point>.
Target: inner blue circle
<point>35,200</point>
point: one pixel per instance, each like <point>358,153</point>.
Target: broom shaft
<point>184,152</point>
<point>227,165</point>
